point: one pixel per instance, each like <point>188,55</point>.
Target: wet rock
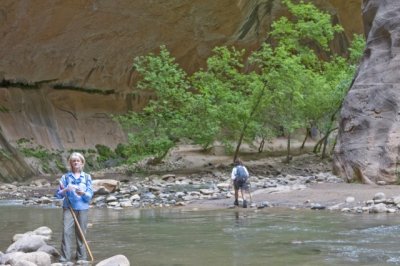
<point>317,206</point>
<point>27,243</point>
<point>335,207</point>
<point>117,260</point>
<point>378,208</point>
<point>38,258</point>
<point>40,183</point>
<point>379,197</point>
<point>263,204</point>
<point>125,204</point>
<point>111,198</point>
<point>381,183</point>
<point>207,191</point>
<point>350,199</point>
<point>396,200</point>
<point>52,251</point>
<point>168,177</point>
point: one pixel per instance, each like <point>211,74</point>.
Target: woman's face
<point>76,164</point>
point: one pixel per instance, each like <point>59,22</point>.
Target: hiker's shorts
<point>239,184</point>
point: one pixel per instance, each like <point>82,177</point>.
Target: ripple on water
<point>11,202</point>
<point>381,229</point>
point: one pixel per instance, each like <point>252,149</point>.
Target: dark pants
<point>70,231</point>
<point>242,185</point>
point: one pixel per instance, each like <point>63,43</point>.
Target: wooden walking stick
<point>251,200</point>
<point>80,229</point>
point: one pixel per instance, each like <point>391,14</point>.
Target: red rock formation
<point>66,65</point>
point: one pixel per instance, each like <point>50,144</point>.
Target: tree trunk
<point>239,144</point>
<point>261,147</point>
<point>334,144</point>
<point>305,139</point>
<point>288,157</point>
<point>323,155</point>
<point>317,146</point>
<point>246,123</point>
<point>323,141</point>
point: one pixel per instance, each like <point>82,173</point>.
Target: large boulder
<point>44,232</point>
<point>37,258</point>
<point>27,243</point>
<point>117,260</point>
<point>105,186</point>
<point>369,134</point>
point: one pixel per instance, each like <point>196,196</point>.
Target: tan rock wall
<point>61,119</point>
<point>66,65</point>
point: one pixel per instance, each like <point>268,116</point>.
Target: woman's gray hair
<point>76,155</point>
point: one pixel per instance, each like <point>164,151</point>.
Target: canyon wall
<point>369,136</point>
<point>66,65</point>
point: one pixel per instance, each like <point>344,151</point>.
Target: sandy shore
<point>326,194</point>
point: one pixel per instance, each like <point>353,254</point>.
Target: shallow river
<point>224,237</point>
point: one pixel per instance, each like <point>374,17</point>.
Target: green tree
<point>291,64</point>
<point>337,76</point>
<point>283,85</point>
<point>155,130</point>
<point>231,97</point>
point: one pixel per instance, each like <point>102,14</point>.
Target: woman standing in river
<point>76,190</point>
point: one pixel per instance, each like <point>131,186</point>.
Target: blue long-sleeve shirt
<point>77,202</point>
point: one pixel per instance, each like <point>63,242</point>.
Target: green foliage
<point>156,129</point>
<point>120,151</point>
<point>3,109</point>
<point>335,78</point>
<point>39,153</point>
<point>227,96</point>
<point>4,154</point>
<point>292,67</point>
<point>50,160</point>
<point>23,141</point>
<point>356,50</point>
<point>236,99</point>
<point>104,153</point>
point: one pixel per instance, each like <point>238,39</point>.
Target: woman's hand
<point>80,192</point>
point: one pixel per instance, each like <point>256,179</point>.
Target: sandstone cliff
<point>369,137</point>
<point>66,65</point>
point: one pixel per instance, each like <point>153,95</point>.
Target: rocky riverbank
<point>306,182</point>
<point>31,248</point>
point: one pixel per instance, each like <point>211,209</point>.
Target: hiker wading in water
<point>239,178</point>
<point>76,190</point>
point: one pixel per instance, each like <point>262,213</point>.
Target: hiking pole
<point>248,188</point>
<point>79,229</point>
<point>251,200</point>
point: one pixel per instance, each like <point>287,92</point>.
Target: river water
<point>223,237</point>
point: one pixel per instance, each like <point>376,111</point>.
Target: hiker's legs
<point>236,188</point>
<point>82,217</point>
<point>67,236</point>
<point>236,194</point>
<point>243,197</point>
<point>236,202</point>
<point>241,192</point>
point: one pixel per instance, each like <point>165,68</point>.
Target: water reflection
<point>224,237</point>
